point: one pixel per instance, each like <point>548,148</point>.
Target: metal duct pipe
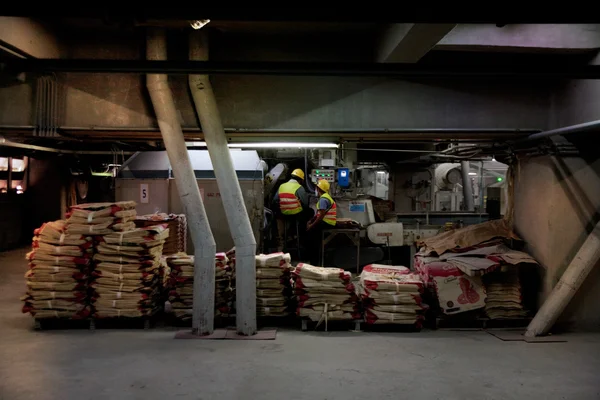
<point>8,143</point>
<point>9,178</point>
<point>579,268</point>
<point>467,186</point>
<point>231,193</point>
<point>579,128</point>
<point>204,242</point>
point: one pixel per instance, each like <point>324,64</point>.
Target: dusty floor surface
<point>138,364</point>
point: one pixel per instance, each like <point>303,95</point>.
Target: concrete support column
<point>570,282</point>
<point>229,186</point>
<point>187,186</point>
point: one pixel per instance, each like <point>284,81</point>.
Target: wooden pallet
<point>353,325</point>
<point>478,323</point>
<point>145,322</point>
<point>42,324</point>
<point>396,328</point>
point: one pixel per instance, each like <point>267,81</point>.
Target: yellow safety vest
<point>289,204</point>
<point>331,214</point>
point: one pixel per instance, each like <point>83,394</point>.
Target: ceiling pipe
<point>467,186</point>
<point>229,186</point>
<point>579,128</point>
<point>187,186</point>
<point>403,70</point>
<point>32,147</point>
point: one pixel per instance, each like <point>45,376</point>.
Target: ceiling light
<point>276,145</point>
<point>198,24</point>
<point>273,145</point>
<point>473,173</point>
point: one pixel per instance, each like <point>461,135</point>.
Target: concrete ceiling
<point>406,43</point>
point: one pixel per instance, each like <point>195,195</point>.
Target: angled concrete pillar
<point>197,221</point>
<point>229,186</point>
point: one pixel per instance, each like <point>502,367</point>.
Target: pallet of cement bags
<point>324,294</point>
<point>126,276</point>
<point>58,273</point>
<point>273,284</point>
<point>101,218</point>
<point>177,224</point>
<point>504,298</point>
<point>180,285</point>
<point>391,295</point>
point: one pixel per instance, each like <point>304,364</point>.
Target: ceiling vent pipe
<point>231,193</point>
<point>202,237</point>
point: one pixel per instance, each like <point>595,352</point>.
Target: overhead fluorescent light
<point>473,173</point>
<point>198,24</point>
<point>273,145</point>
<point>277,145</point>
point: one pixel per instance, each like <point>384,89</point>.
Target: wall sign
<point>144,193</point>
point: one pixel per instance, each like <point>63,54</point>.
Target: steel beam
<point>186,67</point>
<point>408,43</point>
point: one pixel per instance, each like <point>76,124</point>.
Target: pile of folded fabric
<point>101,218</point>
<point>324,293</point>
<point>273,284</point>
<point>127,281</point>
<point>391,295</point>
<point>177,224</point>
<point>504,300</point>
<point>458,262</point>
<point>59,269</point>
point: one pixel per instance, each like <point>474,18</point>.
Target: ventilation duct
<point>46,107</point>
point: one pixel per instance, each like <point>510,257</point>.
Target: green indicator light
<point>499,179</point>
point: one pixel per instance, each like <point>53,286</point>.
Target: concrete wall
<point>121,100</point>
<point>557,201</point>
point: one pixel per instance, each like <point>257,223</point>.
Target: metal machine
<point>447,196</point>
<point>147,178</point>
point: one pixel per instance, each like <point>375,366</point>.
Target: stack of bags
<point>503,289</point>
<point>450,289</point>
<point>180,286</point>
<point>391,295</point>
<point>177,224</point>
<point>324,293</point>
<point>127,280</point>
<point>273,284</point>
<point>463,266</point>
<point>101,218</point>
<point>59,269</point>
<point>224,286</point>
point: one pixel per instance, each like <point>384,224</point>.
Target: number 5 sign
<point>144,194</point>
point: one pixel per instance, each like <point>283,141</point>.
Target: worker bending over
<point>293,205</point>
<point>325,218</point>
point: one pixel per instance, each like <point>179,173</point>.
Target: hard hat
<point>323,185</point>
<point>299,173</point>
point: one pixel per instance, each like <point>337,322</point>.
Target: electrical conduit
<point>204,242</point>
<point>231,193</point>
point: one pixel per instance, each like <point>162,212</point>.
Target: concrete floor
<point>138,364</point>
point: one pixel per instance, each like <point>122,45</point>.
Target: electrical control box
<point>327,174</point>
<point>343,177</point>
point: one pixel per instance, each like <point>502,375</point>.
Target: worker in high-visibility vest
<point>325,218</point>
<point>291,202</point>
